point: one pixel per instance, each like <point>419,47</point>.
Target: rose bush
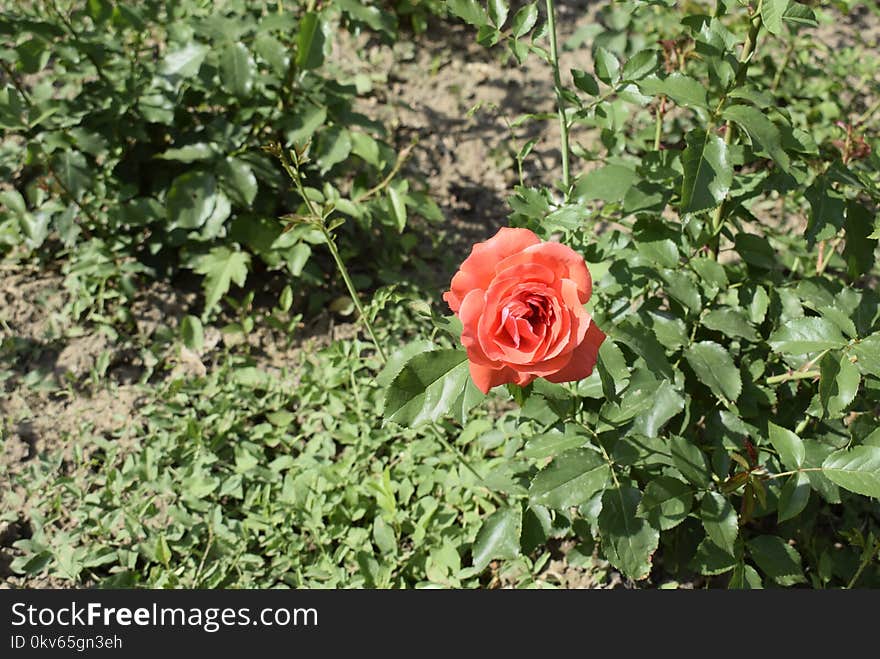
<point>520,302</point>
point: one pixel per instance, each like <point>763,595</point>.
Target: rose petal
<point>583,358</point>
<point>486,377</point>
<point>478,269</point>
<point>562,259</point>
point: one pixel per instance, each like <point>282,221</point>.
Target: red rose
<point>520,302</point>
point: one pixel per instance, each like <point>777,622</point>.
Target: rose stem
<point>319,220</point>
<point>560,101</point>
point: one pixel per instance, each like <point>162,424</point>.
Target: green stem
<point>866,560</point>
<point>783,474</point>
<point>799,375</point>
<point>343,270</point>
<point>560,101</point>
<point>319,220</point>
<point>745,58</point>
<point>658,126</point>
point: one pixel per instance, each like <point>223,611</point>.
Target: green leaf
<point>715,368</point>
<point>708,172</point>
<point>641,64</point>
<point>608,183</point>
<point>310,41</point>
<point>800,14</point>
<point>189,153</point>
<point>731,322</point>
<point>498,537</point>
<point>642,341</point>
<point>667,403</point>
<point>191,199</point>
<point>756,250</point>
<point>334,146</point>
<point>239,180</point>
<point>606,66</point>
<point>552,443</point>
<point>237,69</point>
<point>744,577</point>
<point>710,559</point>
<point>838,383</point>
<point>806,335</point>
<point>794,496</point>
<point>498,11</point>
<point>184,61</point>
<point>73,171</point>
<point>524,20</point>
<point>763,132</point>
<point>430,386</point>
<point>827,210</point>
<point>690,461</point>
<point>777,560</point>
<point>221,267</point>
<point>585,82</point>
<point>867,354</point>
<point>570,480</point>
<point>398,359</point>
<point>720,521</point>
<point>666,502</point>
<point>789,446</point>
<point>192,333</point>
<point>398,207</point>
<point>771,15</point>
<point>628,541</point>
<point>682,89</point>
<point>857,470</point>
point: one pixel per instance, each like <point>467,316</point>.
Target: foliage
<point>135,130</point>
<point>731,425</point>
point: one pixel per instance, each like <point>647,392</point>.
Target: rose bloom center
<point>524,320</point>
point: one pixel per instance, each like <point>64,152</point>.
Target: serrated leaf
<point>708,172</point>
<point>838,383</point>
<point>789,446</point>
<point>731,322</point>
<point>715,368</point>
<point>777,560</point>
<point>570,480</point>
<point>690,461</point>
<point>764,133</point>
<point>666,502</point>
<point>641,64</point>
<point>710,559</point>
<point>827,210</point>
<point>857,470</point>
<point>606,66</point>
<point>608,183</point>
<point>221,267</point>
<point>524,20</point>
<point>867,354</point>
<point>498,537</point>
<point>806,335</point>
<point>667,403</point>
<point>719,519</point>
<point>642,341</point>
<point>628,541</point>
<point>552,443</point>
<point>430,386</point>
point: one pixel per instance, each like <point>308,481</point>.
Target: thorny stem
<point>318,219</point>
<point>560,101</point>
<point>803,373</point>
